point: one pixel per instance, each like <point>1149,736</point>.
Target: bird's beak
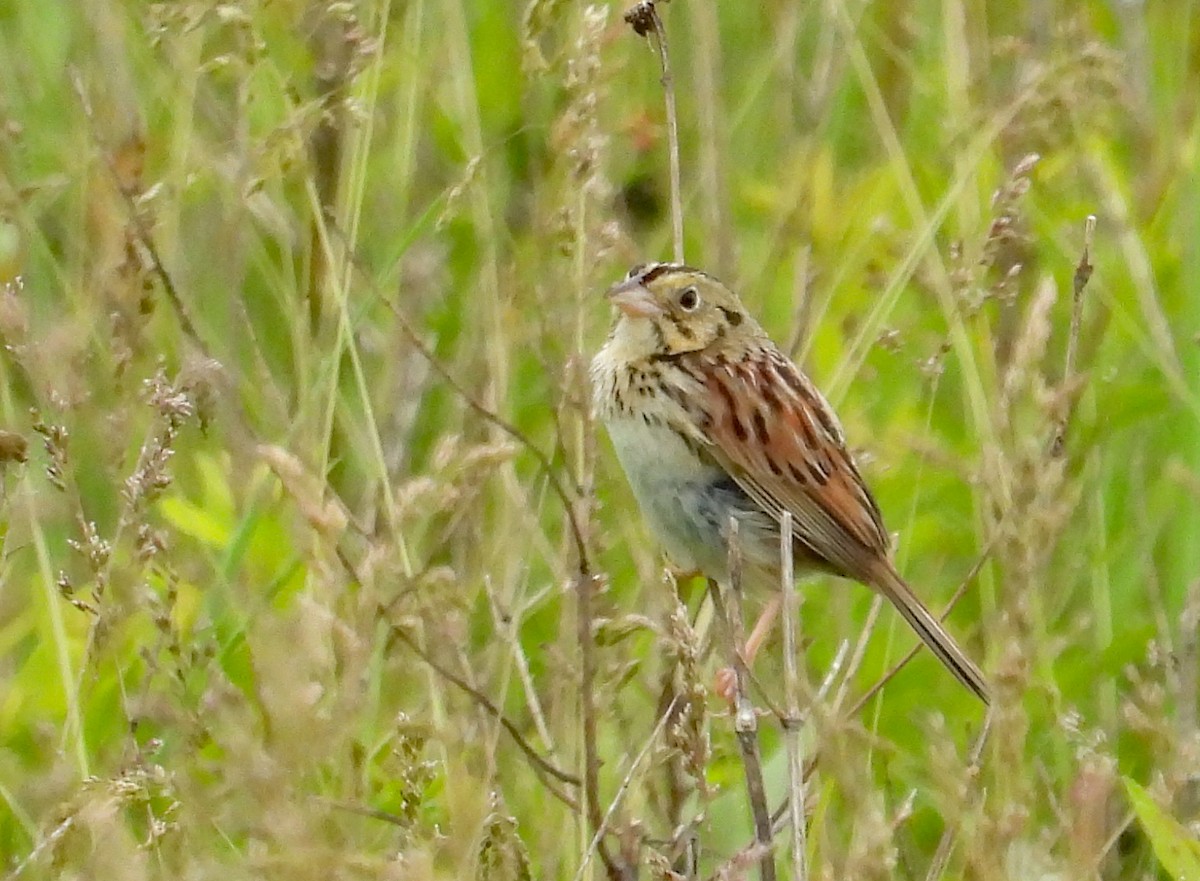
<point>634,299</point>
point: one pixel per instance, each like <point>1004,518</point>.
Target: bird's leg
<point>762,627</point>
<point>726,680</point>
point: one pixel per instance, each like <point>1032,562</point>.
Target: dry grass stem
<point>616,867</point>
<point>791,684</point>
<point>1189,662</point>
<point>548,469</point>
<point>508,626</point>
<point>728,605</point>
<point>945,846</point>
<point>630,868</point>
<point>646,22</point>
<point>859,652</point>
<point>485,703</point>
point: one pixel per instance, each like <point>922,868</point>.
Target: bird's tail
<point>888,582</point>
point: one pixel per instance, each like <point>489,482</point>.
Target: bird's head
<point>668,309</point>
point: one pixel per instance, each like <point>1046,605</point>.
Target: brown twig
<point>45,846</point>
<point>745,719</point>
<point>1083,273</point>
<point>492,710</point>
<point>584,584</point>
<point>859,651</point>
<point>646,22</point>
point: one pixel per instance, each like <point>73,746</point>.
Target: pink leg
<point>762,627</point>
<point>726,680</point>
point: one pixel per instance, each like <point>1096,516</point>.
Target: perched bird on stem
<point>709,420</point>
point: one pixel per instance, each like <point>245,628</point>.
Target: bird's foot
<point>725,685</point>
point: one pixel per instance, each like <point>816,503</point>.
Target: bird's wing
<point>775,434</point>
<point>770,428</point>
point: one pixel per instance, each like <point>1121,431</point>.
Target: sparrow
<point>711,421</point>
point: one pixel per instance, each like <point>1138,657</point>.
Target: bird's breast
<point>687,498</point>
<point>654,454</point>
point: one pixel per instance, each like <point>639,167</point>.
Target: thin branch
<point>835,667</point>
<point>860,648</point>
<point>745,719</point>
<point>791,683</point>
<point>624,787</point>
<point>646,22</point>
<point>946,843</point>
<point>508,626</point>
<point>135,218</point>
<point>1188,653</point>
<point>42,847</point>
<point>784,810</point>
<point>492,710</point>
<point>1083,273</point>
<point>737,866</point>
<point>1115,836</point>
<point>500,422</point>
<point>584,585</point>
<point>372,813</point>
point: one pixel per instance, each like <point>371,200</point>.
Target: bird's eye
<point>689,299</point>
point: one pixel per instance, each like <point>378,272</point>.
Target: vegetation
<point>304,516</point>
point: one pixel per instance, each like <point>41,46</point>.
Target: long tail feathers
<point>940,642</point>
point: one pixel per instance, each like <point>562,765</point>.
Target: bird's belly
<point>688,501</point>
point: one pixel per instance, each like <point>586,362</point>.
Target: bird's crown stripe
<point>650,271</point>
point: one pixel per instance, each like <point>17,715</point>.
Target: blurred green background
<point>272,576</point>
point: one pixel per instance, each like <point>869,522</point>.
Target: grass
<point>298,305</point>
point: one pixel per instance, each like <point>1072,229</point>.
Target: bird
<point>711,421</point>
